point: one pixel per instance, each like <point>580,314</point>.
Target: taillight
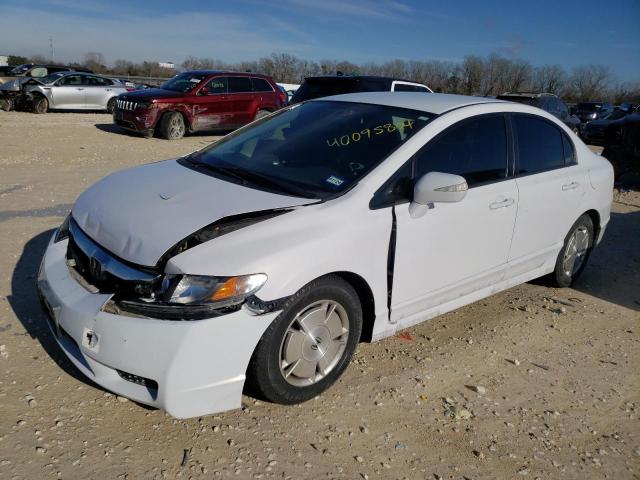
<point>282,96</point>
<point>129,89</point>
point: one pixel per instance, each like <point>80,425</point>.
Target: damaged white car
<point>257,264</point>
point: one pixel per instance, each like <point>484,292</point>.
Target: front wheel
<point>575,253</point>
<point>261,114</point>
<point>111,104</point>
<point>40,104</point>
<point>172,126</point>
<point>309,345</point>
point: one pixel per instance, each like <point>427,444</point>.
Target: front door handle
<point>79,88</point>
<point>502,203</point>
<point>570,186</point>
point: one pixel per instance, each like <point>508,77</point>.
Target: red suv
<point>196,101</point>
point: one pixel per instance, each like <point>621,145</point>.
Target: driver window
<point>217,86</point>
<point>71,80</point>
<point>476,149</point>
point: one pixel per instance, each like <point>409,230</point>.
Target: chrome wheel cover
<point>576,251</point>
<point>176,127</point>
<point>314,343</point>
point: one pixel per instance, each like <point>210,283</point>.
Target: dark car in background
<point>548,102</point>
<point>589,111</point>
<point>197,101</point>
<point>325,86</point>
<point>599,131</point>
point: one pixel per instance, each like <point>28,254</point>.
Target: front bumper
<point>198,366</point>
<point>141,121</point>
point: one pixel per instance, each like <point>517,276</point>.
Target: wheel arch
<point>595,218</point>
<point>185,118</point>
<point>367,301</point>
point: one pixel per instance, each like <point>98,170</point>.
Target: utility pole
<point>51,46</point>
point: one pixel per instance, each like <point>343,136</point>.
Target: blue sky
<point>565,32</point>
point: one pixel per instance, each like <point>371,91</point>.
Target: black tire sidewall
<point>111,104</point>
<point>560,278</point>
<point>266,375</point>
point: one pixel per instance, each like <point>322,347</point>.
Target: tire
<point>172,126</point>
<point>111,104</point>
<point>40,104</point>
<point>274,374</point>
<point>261,114</point>
<point>578,242</point>
<point>6,104</point>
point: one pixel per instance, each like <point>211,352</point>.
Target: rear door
<point>551,186</point>
<point>98,92</point>
<point>213,106</point>
<point>69,92</point>
<point>242,98</point>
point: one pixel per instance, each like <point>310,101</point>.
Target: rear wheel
<point>6,104</point>
<point>172,126</point>
<point>111,104</point>
<point>309,345</point>
<point>575,253</point>
<point>40,104</point>
<point>261,114</point>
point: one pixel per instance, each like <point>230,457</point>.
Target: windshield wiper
<point>266,180</point>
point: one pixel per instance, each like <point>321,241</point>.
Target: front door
<point>457,248</point>
<point>213,107</point>
<point>69,92</point>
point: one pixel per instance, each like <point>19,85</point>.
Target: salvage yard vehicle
<point>270,254</point>
<point>324,86</point>
<point>62,91</point>
<point>199,100</point>
<point>549,103</point>
<point>34,70</point>
<point>588,111</point>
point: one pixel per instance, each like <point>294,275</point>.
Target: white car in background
<point>261,261</point>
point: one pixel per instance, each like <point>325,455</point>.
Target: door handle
<point>79,88</point>
<point>570,186</point>
<point>502,203</point>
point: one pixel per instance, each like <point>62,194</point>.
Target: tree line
<point>474,75</point>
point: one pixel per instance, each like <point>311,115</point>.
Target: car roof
<point>526,94</point>
<point>437,103</point>
<point>225,72</point>
<point>359,77</point>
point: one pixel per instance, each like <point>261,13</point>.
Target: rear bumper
<point>188,368</point>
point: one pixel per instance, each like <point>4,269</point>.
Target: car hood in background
<point>150,94</point>
<point>140,213</point>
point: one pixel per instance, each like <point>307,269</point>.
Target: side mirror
<point>203,91</point>
<point>437,187</point>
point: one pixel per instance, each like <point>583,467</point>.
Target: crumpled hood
<point>140,213</point>
<point>13,85</point>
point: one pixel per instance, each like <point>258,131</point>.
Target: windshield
<point>52,77</point>
<point>589,107</point>
<point>20,69</point>
<point>184,82</point>
<point>315,150</point>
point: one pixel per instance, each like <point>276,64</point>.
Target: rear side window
<point>240,85</point>
<point>403,87</point>
<point>261,85</point>
<point>98,81</point>
<point>475,149</point>
<point>539,145</point>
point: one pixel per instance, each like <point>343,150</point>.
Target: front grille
<point>126,105</point>
<point>103,270</point>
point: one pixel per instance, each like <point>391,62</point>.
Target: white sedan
<point>258,263</point>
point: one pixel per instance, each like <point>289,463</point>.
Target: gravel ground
<point>530,383</point>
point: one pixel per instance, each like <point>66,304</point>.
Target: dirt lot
<point>559,370</point>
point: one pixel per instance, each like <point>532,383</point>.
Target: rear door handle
<point>79,88</point>
<point>502,203</point>
<point>570,186</point>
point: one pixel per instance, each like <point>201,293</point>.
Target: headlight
<point>190,297</point>
<point>199,289</point>
<point>144,105</point>
<point>63,230</point>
